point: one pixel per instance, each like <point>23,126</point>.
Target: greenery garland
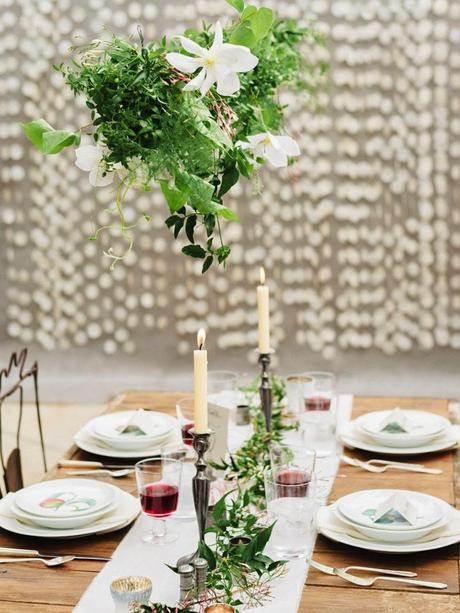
<point>150,123</point>
<point>240,575</point>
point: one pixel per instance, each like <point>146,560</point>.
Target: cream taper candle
<point>263,306</point>
<point>200,372</point>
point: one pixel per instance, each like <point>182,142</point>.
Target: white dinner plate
<point>325,519</point>
<point>65,497</point>
<point>359,508</point>
<point>59,523</point>
<point>425,427</point>
<point>106,428</point>
<point>354,438</point>
<point>85,441</point>
<point>126,511</point>
<point>395,536</point>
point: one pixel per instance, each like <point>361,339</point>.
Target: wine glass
<point>187,456</point>
<point>292,467</point>
<point>185,415</point>
<point>158,485</point>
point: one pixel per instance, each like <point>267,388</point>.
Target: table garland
<point>240,575</point>
<point>153,119</point>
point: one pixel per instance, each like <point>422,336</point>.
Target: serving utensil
<point>367,582</point>
<point>90,464</point>
<point>331,570</point>
<point>57,561</point>
<point>33,553</point>
<point>381,469</point>
<point>116,474</point>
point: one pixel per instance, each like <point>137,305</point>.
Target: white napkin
<point>395,422</point>
<point>138,424</point>
<point>327,520</point>
<point>396,503</point>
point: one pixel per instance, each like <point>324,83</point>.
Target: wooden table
<point>32,588</point>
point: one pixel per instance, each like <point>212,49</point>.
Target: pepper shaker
<point>187,580</point>
<point>201,573</point>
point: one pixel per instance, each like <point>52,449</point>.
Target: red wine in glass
<point>159,499</point>
<point>294,481</point>
<point>317,403</point>
<point>187,436</point>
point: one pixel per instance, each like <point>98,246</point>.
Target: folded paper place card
<point>395,422</point>
<point>395,509</point>
<point>139,424</point>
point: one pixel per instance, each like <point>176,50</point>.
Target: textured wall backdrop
<point>361,239</point>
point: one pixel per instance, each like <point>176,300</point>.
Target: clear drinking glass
<point>292,508</point>
<point>292,464</point>
<point>318,417</point>
<point>158,484</point>
<point>295,386</point>
<point>186,455</point>
<point>223,390</point>
<point>185,415</point>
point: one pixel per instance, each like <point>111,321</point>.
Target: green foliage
<point>156,132</point>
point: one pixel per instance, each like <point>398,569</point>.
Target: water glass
<point>185,408</point>
<point>187,456</point>
<point>158,487</point>
<point>223,390</point>
<point>292,508</point>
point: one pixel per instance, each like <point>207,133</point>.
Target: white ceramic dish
<point>325,518</point>
<point>105,429</point>
<point>359,507</point>
<point>425,427</point>
<point>127,509</point>
<point>396,536</point>
<point>354,438</point>
<point>86,442</point>
<point>65,498</point>
<point>60,523</point>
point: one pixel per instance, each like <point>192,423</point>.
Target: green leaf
<point>229,178</point>
<point>243,35</point>
<point>220,507</point>
<point>220,210</point>
<point>34,131</point>
<point>176,198</point>
<point>207,264</point>
<point>48,140</point>
<point>261,22</point>
<point>194,251</point>
<point>209,222</point>
<point>178,226</point>
<point>190,228</point>
<point>199,191</point>
<point>257,545</point>
<point>207,126</point>
<point>248,12</point>
<point>237,4</point>
<point>57,140</point>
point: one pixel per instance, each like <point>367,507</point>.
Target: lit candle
<point>263,296</point>
<point>200,371</point>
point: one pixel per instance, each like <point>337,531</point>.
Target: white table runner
<point>132,557</point>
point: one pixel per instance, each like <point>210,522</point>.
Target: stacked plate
<point>128,434</point>
<point>352,520</point>
<point>412,432</point>
<point>67,507</point>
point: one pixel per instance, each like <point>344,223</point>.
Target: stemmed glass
<point>158,486</point>
<point>185,416</point>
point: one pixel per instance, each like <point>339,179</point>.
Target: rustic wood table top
<point>33,588</point>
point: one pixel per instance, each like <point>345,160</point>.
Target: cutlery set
<point>399,576</point>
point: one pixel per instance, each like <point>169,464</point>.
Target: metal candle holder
<point>201,482</point>
<point>265,389</point>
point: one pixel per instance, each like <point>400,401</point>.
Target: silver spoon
<point>53,562</point>
<point>116,474</point>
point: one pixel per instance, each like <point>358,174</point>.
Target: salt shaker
<point>187,580</point>
<point>201,573</point>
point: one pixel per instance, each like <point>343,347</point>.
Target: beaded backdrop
<point>360,239</point>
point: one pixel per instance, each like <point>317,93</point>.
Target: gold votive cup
<point>219,608</point>
<point>128,590</point>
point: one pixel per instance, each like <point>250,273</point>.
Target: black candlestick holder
<point>201,482</point>
<point>265,389</point>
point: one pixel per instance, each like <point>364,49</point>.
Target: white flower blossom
<point>273,148</point>
<point>219,64</point>
<point>89,158</point>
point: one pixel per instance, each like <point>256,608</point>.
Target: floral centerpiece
<point>193,114</point>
